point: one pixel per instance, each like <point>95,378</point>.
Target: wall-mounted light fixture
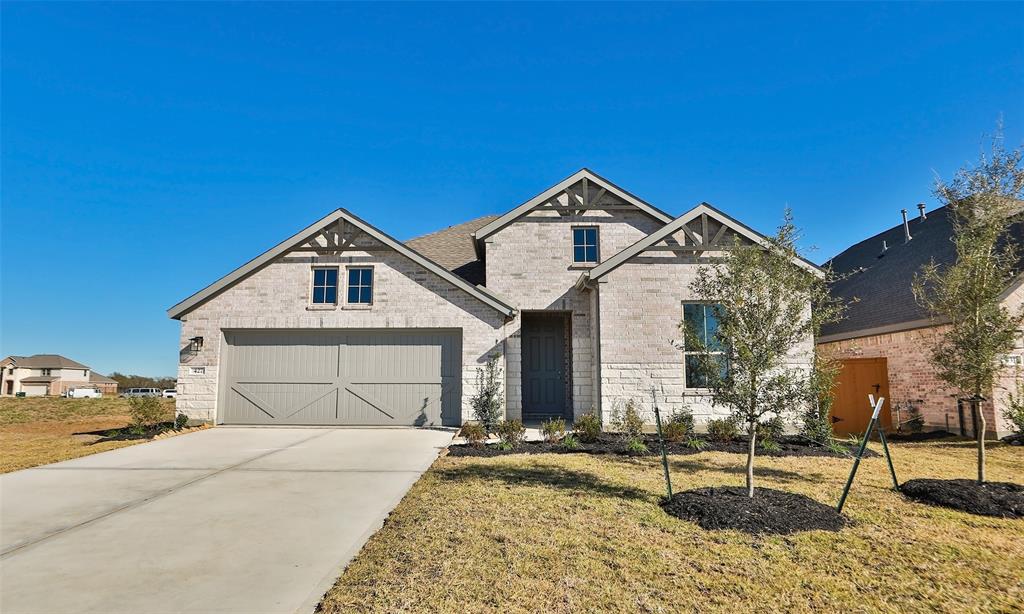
<point>195,344</point>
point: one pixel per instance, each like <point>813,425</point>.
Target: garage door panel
<point>366,377</point>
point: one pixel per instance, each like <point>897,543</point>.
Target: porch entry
<point>858,378</point>
<point>546,359</point>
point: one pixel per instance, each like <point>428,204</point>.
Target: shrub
<point>770,445</point>
<point>487,401</point>
<point>635,445</point>
<point>180,422</point>
<point>679,426</point>
<point>570,442</point>
<point>769,433</point>
<point>695,443</point>
<point>553,429</point>
<point>145,412</point>
<point>816,418</point>
<point>1014,410</point>
<point>915,421</point>
<point>474,433</point>
<point>588,428</point>
<point>723,430</point>
<point>510,434</point>
<point>628,422</point>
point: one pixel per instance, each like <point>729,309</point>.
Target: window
<point>47,371</point>
<point>702,320</point>
<point>360,286</point>
<point>584,244</point>
<point>325,286</point>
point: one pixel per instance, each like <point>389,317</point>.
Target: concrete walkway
<point>224,520</point>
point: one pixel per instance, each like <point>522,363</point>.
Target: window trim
<point>686,353</point>
<point>348,284</point>
<point>597,244</point>
<point>313,286</point>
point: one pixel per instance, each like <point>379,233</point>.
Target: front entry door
<point>544,365</point>
<point>858,378</point>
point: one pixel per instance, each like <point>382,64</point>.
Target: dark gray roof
<point>47,361</point>
<point>452,248</point>
<point>880,282</point>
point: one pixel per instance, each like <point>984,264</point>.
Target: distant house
<point>884,341</point>
<point>49,375</point>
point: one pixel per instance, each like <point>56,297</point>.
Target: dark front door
<point>544,365</point>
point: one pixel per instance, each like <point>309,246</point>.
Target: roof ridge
<point>880,233</point>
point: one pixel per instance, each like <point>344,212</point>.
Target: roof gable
<point>580,191</point>
<point>703,228</point>
<point>334,233</point>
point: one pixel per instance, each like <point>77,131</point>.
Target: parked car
<point>84,393</point>
<point>170,393</point>
<point>141,392</point>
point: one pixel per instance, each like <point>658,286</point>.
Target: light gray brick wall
<point>641,310</point>
<point>278,296</point>
<point>530,262</point>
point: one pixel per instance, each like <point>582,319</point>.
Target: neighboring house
<point>49,375</point>
<point>579,292</point>
<point>886,336</point>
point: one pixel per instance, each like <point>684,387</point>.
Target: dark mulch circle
<point>770,511</point>
<point>921,436</point>
<point>611,444</point>
<point>1000,499</point>
<point>1016,439</point>
<point>129,434</point>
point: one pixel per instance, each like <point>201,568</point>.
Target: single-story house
<point>578,292</point>
<point>884,340</point>
<point>49,375</point>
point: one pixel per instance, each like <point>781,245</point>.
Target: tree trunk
<point>981,439</point>
<point>750,460</point>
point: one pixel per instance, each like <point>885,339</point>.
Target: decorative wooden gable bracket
<point>337,238</point>
<point>694,243</point>
<point>581,197</point>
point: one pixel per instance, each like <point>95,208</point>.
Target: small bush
<point>679,426</point>
<point>571,442</point>
<point>628,422</point>
<point>635,445</point>
<point>553,430</point>
<point>770,445</point>
<point>837,447</point>
<point>510,434</point>
<point>1014,410</point>
<point>588,428</point>
<point>723,430</point>
<point>915,421</point>
<point>695,443</point>
<point>145,412</point>
<point>474,433</point>
<point>769,433</point>
<point>488,399</point>
<point>180,422</point>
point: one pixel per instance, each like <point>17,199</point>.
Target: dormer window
<point>584,245</point>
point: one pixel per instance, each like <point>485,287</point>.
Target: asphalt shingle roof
<point>452,248</point>
<point>47,361</point>
<point>880,282</point>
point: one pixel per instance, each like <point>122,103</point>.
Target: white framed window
<point>325,286</point>
<point>360,285</point>
<point>585,244</point>
<point>701,319</point>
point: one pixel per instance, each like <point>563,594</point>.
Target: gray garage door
<point>343,377</point>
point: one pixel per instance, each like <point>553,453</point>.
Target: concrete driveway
<point>223,520</point>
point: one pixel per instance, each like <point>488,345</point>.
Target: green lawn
<point>40,430</point>
<point>571,533</point>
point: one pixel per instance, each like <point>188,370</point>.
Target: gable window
<point>360,285</point>
<point>584,244</point>
<point>325,286</point>
<point>701,319</point>
<point>47,371</point>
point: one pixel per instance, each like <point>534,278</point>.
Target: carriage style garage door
<point>343,377</point>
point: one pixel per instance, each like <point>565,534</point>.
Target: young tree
<point>488,400</point>
<point>767,306</point>
<point>983,201</point>
<point>816,422</point>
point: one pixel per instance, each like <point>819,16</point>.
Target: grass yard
<point>573,532</point>
<point>40,430</point>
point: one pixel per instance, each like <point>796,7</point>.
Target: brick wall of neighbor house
<point>278,296</point>
<point>529,262</point>
<point>912,377</point>
<point>641,310</point>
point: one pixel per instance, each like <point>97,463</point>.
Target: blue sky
<point>148,149</point>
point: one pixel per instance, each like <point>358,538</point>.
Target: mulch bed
<point>1000,499</point>
<point>770,511</point>
<point>921,436</point>
<point>128,434</point>
<point>611,444</point>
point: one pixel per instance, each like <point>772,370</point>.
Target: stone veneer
<point>278,296</point>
